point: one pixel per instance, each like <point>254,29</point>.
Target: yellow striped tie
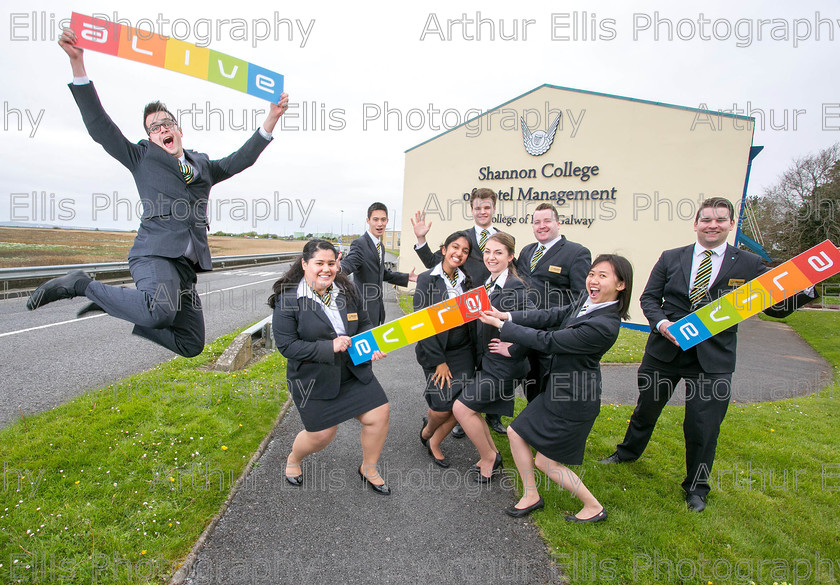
<point>187,171</point>
<point>379,251</point>
<point>489,285</point>
<point>482,241</point>
<point>537,255</point>
<point>701,280</point>
<point>453,280</point>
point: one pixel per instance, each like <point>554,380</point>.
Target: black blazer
<point>512,297</point>
<point>173,212</point>
<point>368,270</point>
<point>576,345</point>
<point>304,336</point>
<point>474,266</point>
<point>431,352</point>
<point>560,274</point>
<point>666,297</point>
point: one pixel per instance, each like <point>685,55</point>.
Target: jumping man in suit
<point>682,280</point>
<point>366,262</point>
<point>171,244</point>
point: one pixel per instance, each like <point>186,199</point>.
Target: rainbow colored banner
<point>104,36</point>
<point>803,271</point>
<point>419,325</point>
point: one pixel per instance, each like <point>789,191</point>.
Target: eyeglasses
<point>156,128</point>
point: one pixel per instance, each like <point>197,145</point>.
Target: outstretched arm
<point>67,41</point>
<point>275,111</point>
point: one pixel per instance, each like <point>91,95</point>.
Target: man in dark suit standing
<point>366,262</point>
<point>555,270</point>
<point>483,206</point>
<point>171,244</point>
<point>683,280</point>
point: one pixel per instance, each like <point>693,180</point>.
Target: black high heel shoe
<point>382,489</point>
<point>496,465</point>
<point>439,462</point>
<point>474,468</point>
<point>423,428</point>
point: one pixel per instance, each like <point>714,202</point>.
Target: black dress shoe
<point>495,424</point>
<point>614,458</point>
<point>423,428</point>
<point>696,502</point>
<point>458,432</point>
<point>600,516</point>
<point>295,480</point>
<point>439,462</point>
<point>379,489</point>
<point>520,512</point>
<point>90,308</point>
<point>63,287</point>
<point>474,468</point>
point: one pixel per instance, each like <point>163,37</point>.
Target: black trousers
<point>707,399</point>
<point>164,306</point>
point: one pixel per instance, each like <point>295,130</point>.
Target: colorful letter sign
<point>104,36</point>
<point>805,270</point>
<point>419,325</point>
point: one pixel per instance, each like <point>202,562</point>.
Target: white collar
<point>490,231</point>
<point>500,282</point>
<point>304,290</point>
<point>438,271</point>
<point>551,243</point>
<point>590,307</point>
<point>718,251</point>
<point>373,238</point>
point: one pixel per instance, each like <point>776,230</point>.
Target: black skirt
<point>461,364</point>
<point>489,395</point>
<point>354,398</point>
<point>559,438</point>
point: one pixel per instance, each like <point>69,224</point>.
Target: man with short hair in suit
<point>683,280</point>
<point>555,270</point>
<point>483,206</point>
<point>171,244</point>
<point>366,262</point>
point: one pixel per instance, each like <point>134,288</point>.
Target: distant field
<point>44,247</point>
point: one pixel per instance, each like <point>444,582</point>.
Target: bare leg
<point>373,435</point>
<point>569,481</point>
<point>524,460</point>
<point>305,444</point>
<point>440,424</point>
<point>477,432</point>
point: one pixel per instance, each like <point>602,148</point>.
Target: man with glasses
<point>171,244</point>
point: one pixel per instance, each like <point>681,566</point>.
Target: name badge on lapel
<point>736,282</point>
<point>352,316</point>
<point>555,269</point>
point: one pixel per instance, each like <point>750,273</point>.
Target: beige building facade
<point>626,175</point>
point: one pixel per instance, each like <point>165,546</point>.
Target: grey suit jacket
<point>174,213</point>
<point>559,276</point>
<point>369,272</point>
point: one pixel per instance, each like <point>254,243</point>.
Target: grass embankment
<point>117,485</point>
<point>773,512</point>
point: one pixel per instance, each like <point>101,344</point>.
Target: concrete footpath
<point>438,526</point>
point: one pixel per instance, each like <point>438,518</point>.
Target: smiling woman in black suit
<point>501,366</point>
<point>557,422</point>
<point>447,358</point>
<point>316,311</point>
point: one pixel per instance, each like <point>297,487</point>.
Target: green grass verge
<point>117,485</point>
<point>773,513</point>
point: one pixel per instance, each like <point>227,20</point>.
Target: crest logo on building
<point>538,142</point>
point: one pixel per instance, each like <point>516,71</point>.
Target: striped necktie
<point>379,251</point>
<point>326,297</point>
<point>488,286</point>
<point>537,255</point>
<point>482,241</point>
<point>453,280</point>
<point>701,280</point>
<point>187,171</point>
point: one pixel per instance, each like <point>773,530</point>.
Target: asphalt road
<point>48,356</point>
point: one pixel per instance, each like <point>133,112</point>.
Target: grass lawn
<point>117,485</point>
<point>773,513</point>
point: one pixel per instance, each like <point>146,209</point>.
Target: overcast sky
<point>347,64</point>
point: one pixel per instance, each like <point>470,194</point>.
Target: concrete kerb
<point>238,353</point>
<point>184,570</point>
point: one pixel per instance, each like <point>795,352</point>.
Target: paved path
<point>438,526</point>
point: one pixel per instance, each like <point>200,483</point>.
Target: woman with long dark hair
<point>316,311</point>
<point>557,423</point>
<point>501,365</point>
<point>447,358</point>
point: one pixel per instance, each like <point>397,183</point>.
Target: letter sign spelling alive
<point>803,271</point>
<point>104,36</point>
<point>419,325</point>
